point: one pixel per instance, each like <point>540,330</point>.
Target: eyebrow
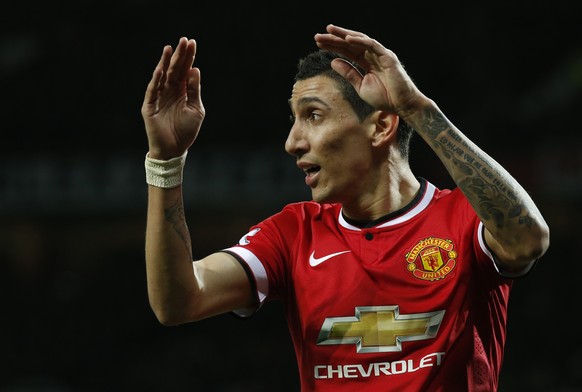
<point>306,100</point>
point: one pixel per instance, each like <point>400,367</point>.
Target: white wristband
<point>165,174</point>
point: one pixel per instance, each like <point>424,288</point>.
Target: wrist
<point>415,107</point>
<point>163,173</point>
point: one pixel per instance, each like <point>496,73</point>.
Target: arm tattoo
<point>175,215</point>
<point>489,190</point>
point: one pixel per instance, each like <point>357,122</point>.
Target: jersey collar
<point>415,207</point>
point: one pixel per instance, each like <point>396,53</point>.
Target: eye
<point>306,116</point>
<point>313,117</point>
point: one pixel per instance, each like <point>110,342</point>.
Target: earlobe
<point>386,126</point>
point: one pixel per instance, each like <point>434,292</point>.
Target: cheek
<point>344,147</point>
<point>340,140</point>
<point>334,154</point>
<point>345,158</point>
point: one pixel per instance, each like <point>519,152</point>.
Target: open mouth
<point>312,170</point>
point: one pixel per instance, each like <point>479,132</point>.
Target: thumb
<point>348,72</point>
<point>193,86</point>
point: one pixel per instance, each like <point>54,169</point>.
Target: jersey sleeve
<point>264,253</point>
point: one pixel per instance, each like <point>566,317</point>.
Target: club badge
<point>431,259</point>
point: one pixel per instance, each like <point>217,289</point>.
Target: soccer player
<point>388,282</point>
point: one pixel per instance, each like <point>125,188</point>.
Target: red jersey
<point>412,303</point>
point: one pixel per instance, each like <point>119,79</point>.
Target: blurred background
<point>75,315</point>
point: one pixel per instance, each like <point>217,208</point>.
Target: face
<point>330,144</point>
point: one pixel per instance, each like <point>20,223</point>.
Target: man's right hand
<point>172,108</point>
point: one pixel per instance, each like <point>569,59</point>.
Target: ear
<point>386,126</point>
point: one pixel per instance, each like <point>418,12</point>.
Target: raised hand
<point>386,85</point>
<point>172,108</point>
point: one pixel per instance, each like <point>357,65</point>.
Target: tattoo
<point>435,123</point>
<point>488,189</point>
<point>175,215</point>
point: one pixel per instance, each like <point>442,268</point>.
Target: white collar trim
<point>411,213</point>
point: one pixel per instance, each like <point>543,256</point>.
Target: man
<point>388,282</point>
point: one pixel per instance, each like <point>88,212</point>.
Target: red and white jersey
<point>414,303</point>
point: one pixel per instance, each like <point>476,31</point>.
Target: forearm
<point>505,208</point>
<point>170,277</point>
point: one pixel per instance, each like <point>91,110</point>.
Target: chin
<point>322,197</point>
<point>315,196</point>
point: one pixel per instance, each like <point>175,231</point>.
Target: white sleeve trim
<point>259,274</point>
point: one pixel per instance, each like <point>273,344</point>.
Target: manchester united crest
<point>431,259</point>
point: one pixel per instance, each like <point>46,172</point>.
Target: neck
<point>396,190</point>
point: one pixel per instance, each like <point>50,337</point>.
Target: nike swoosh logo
<point>313,261</point>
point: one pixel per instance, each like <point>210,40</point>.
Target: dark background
<point>73,299</point>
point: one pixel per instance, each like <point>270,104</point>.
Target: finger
<point>158,76</point>
<point>151,94</point>
<point>337,45</point>
<point>193,87</point>
<point>348,71</point>
<point>343,32</point>
<point>188,58</point>
<point>350,43</point>
<point>341,38</point>
<point>364,43</point>
<point>164,64</point>
<point>353,52</point>
<point>181,61</point>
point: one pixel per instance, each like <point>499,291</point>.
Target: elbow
<point>538,241</point>
<point>165,317</point>
<point>170,315</point>
<point>520,249</point>
<point>167,320</point>
<point>529,248</point>
<point>542,242</point>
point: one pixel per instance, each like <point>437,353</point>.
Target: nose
<point>296,144</point>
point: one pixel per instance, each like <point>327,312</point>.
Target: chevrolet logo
<point>379,328</point>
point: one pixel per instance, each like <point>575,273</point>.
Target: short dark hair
<point>319,63</point>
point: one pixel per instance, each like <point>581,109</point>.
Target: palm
<point>174,124</point>
<point>386,85</point>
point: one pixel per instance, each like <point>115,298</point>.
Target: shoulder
<point>307,210</point>
<point>452,203</point>
<point>294,216</point>
<point>453,195</point>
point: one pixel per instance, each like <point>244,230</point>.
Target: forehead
<point>317,89</point>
